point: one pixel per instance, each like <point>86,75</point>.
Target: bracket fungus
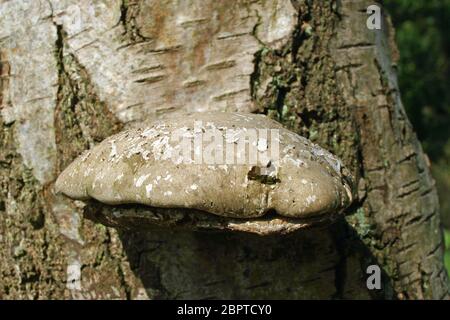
<point>215,170</point>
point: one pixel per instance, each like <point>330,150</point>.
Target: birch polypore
<point>228,164</point>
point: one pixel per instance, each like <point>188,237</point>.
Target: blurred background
<point>423,38</point>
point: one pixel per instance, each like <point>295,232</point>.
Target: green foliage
<point>423,38</point>
<point>447,251</point>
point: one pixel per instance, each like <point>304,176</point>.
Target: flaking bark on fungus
<point>234,174</point>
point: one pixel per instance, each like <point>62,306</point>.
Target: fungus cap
<point>149,165</point>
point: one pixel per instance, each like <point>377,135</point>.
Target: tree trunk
<point>74,73</point>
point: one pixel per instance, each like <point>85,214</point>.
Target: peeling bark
<point>73,73</point>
